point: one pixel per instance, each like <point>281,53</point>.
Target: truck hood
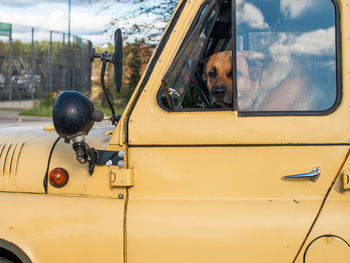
<point>24,153</point>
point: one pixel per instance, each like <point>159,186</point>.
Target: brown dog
<point>275,87</point>
<point>219,78</point>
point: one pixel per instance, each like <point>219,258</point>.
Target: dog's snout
<point>218,91</point>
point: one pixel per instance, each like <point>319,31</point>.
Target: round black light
<point>73,114</point>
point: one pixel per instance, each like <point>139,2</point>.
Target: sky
<point>87,20</point>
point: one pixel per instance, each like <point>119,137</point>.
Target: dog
<point>218,72</point>
<point>261,86</point>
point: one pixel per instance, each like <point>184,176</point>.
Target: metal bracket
<point>346,180</point>
<point>107,158</point>
<point>121,177</point>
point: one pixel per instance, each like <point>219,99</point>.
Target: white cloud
<point>251,15</point>
<point>317,42</point>
<point>87,21</point>
<point>36,2</point>
<point>294,8</point>
<point>81,23</point>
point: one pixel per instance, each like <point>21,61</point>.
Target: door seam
<point>322,205</point>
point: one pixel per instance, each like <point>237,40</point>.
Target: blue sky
<point>88,21</point>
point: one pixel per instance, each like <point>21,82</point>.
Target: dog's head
<point>219,78</point>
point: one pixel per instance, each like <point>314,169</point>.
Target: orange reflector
<point>58,177</point>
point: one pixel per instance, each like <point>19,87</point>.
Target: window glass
<point>180,75</point>
<point>285,55</point>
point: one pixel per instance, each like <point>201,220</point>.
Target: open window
<point>284,59</point>
<point>184,86</point>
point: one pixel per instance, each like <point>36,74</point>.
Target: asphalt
<point>12,116</point>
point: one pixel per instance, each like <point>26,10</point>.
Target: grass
<point>37,111</point>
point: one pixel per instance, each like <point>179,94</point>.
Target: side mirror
<point>118,59</point>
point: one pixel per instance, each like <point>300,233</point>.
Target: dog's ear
<point>205,66</point>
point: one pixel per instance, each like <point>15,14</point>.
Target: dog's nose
<point>218,91</point>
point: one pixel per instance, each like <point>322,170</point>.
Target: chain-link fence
<point>34,62</point>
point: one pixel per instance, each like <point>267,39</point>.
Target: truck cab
<point>260,173</point>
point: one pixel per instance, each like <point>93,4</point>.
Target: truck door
<point>244,182</point>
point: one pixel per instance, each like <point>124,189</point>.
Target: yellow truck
<point>256,171</point>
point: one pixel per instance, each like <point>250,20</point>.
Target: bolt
<point>121,153</point>
<point>120,196</point>
<point>160,60</point>
<point>121,163</point>
<point>109,163</point>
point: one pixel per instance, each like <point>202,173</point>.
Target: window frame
<point>338,74</point>
<point>187,38</point>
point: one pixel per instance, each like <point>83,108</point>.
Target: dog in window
<point>275,85</point>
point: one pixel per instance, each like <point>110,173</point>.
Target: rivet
<point>145,90</point>
<point>109,163</point>
<point>160,60</point>
<point>175,30</point>
<point>120,196</point>
<point>130,141</point>
<point>121,163</point>
<point>121,153</point>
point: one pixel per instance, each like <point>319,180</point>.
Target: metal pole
<point>10,67</point>
<point>81,69</point>
<point>69,49</point>
<point>72,67</point>
<point>50,64</point>
<point>33,65</point>
<point>88,65</point>
<point>63,63</point>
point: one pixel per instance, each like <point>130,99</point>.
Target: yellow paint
<point>49,128</point>
<point>122,177</point>
<point>197,186</point>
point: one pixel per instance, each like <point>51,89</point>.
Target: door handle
<point>313,175</point>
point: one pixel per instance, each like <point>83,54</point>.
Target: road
<point>12,116</point>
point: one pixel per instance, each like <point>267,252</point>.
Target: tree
<point>146,21</point>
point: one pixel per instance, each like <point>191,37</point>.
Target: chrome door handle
<point>313,175</point>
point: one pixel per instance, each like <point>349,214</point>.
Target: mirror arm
<point>113,118</point>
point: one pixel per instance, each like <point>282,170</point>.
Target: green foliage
<point>38,111</point>
<point>47,100</point>
<point>135,57</point>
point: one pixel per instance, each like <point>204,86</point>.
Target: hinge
<point>346,180</point>
<point>121,177</point>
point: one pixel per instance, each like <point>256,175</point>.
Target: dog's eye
<point>212,73</point>
<point>229,74</point>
